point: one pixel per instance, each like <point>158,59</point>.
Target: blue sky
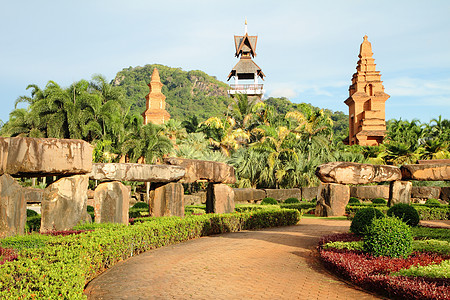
<point>307,49</point>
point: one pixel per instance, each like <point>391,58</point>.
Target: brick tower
<point>246,71</point>
<point>366,101</point>
<point>156,102</point>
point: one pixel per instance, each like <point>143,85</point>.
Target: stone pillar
<point>111,203</point>
<point>13,207</point>
<point>332,199</point>
<point>64,203</point>
<point>167,200</point>
<point>400,192</point>
<point>219,198</point>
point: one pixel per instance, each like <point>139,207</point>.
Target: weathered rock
<point>13,207</point>
<point>355,173</point>
<point>136,172</point>
<point>219,199</point>
<point>309,193</point>
<point>425,192</point>
<point>400,192</point>
<point>426,172</point>
<point>111,203</point>
<point>192,200</point>
<point>332,199</point>
<point>36,157</point>
<point>64,203</point>
<point>33,195</point>
<point>370,191</point>
<point>203,170</point>
<point>282,194</point>
<point>167,200</point>
<point>248,195</point>
<point>445,194</point>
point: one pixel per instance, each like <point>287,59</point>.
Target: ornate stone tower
<point>246,71</point>
<point>366,101</point>
<point>156,102</point>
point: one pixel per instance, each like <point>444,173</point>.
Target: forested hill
<point>187,93</point>
<point>195,93</point>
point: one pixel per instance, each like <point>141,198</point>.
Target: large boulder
<point>37,157</point>
<point>167,200</point>
<point>219,199</point>
<point>136,172</point>
<point>332,199</point>
<point>13,207</point>
<point>203,170</point>
<point>445,193</point>
<point>400,192</point>
<point>425,192</point>
<point>282,194</point>
<point>33,195</point>
<point>248,195</point>
<point>426,172</point>
<point>111,203</point>
<point>64,203</point>
<point>370,191</point>
<point>355,173</point>
<point>309,193</point>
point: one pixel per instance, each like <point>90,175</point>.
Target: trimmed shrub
<point>353,200</point>
<point>363,220</point>
<point>433,213</point>
<point>291,200</point>
<point>31,213</point>
<point>255,207</point>
<point>140,205</point>
<point>432,203</point>
<point>90,209</point>
<point>33,223</point>
<point>269,200</point>
<point>388,237</point>
<point>379,201</point>
<point>404,212</point>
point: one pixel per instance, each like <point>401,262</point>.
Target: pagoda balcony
<point>252,89</point>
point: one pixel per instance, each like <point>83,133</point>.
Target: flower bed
<point>383,275</point>
<point>53,267</point>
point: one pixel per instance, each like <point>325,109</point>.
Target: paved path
<point>276,263</point>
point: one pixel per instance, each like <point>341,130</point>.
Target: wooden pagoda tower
<point>246,72</point>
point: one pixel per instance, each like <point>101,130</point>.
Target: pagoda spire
<point>245,26</point>
<point>156,102</point>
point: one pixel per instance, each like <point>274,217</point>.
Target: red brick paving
<point>276,263</point>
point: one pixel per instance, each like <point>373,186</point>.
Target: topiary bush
<point>269,200</point>
<point>139,205</point>
<point>353,200</point>
<point>388,237</point>
<point>379,201</point>
<point>432,203</point>
<point>291,200</point>
<point>31,213</point>
<point>404,212</point>
<point>363,220</point>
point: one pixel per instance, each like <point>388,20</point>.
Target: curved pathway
<point>275,263</point>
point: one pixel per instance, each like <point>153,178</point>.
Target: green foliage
<point>433,212</point>
<point>433,203</point>
<point>255,207</point>
<point>27,241</point>
<point>90,208</point>
<point>388,237</point>
<point>269,200</point>
<point>438,246</point>
<point>33,223</point>
<point>363,220</point>
<point>421,232</point>
<point>31,213</point>
<point>140,205</point>
<point>353,246</point>
<point>303,206</point>
<point>353,200</point>
<point>405,212</point>
<point>431,271</point>
<point>137,212</point>
<point>291,200</point>
<point>379,201</point>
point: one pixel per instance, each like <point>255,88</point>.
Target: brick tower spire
<point>366,101</point>
<point>156,102</point>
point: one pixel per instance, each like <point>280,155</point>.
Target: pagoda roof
<point>245,43</point>
<point>246,66</point>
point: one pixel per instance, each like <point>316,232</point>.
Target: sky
<point>307,49</point>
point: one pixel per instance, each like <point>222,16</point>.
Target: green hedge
<point>302,206</point>
<point>255,207</point>
<point>61,266</point>
<point>425,212</point>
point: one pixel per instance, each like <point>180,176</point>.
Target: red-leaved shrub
<point>7,254</point>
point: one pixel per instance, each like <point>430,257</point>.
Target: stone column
<point>167,200</point>
<point>332,199</point>
<point>111,203</point>
<point>400,192</point>
<point>64,203</point>
<point>13,207</point>
<point>219,198</point>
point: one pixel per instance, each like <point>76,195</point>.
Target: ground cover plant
<point>423,274</point>
<point>53,267</point>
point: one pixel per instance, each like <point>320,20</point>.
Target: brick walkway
<point>277,263</point>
